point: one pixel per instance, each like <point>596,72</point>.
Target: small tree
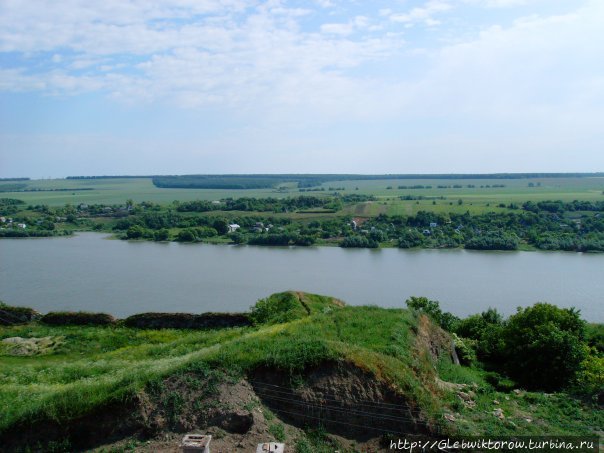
<point>544,346</point>
<point>432,308</point>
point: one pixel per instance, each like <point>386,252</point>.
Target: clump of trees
<point>492,240</point>
<point>359,242</point>
<point>542,347</point>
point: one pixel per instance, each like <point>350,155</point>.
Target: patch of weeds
<point>317,441</point>
<point>297,381</point>
<point>277,431</point>
<point>268,415</point>
<point>219,434</point>
<point>201,405</point>
<point>501,383</point>
<point>534,398</point>
<point>156,387</point>
<point>58,446</point>
<point>251,405</point>
<point>173,404</point>
<point>131,445</point>
<point>193,382</point>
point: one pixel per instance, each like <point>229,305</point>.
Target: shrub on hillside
<point>79,318</point>
<point>282,307</point>
<point>544,346</point>
<point>10,315</point>
<point>445,320</point>
<point>187,320</point>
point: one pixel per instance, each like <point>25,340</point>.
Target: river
<point>92,273</point>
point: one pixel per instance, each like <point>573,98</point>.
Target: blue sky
<point>323,86</point>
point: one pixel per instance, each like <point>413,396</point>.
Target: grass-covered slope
<point>301,339</point>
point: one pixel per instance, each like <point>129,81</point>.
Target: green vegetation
<point>10,315</point>
<point>79,318</point>
<point>542,347</point>
<point>289,306</point>
<point>91,367</point>
<point>559,212</point>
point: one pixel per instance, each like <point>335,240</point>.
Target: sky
<point>138,87</point>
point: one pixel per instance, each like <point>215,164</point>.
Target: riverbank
<point>364,374</point>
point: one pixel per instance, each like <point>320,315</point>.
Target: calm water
<point>89,272</point>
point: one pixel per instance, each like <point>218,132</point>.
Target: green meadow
<point>55,192</point>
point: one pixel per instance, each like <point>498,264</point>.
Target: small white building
<point>233,227</point>
<point>21,225</point>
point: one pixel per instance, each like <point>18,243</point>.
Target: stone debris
<point>467,399</point>
<point>464,396</point>
<point>449,386</point>
<point>30,346</point>
<point>496,402</point>
<point>499,413</point>
<point>449,417</point>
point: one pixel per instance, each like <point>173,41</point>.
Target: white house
<point>233,227</point>
<point>21,225</point>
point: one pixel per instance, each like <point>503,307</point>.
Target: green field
<point>58,192</point>
<point>117,191</point>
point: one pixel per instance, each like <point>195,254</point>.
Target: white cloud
<point>422,14</point>
<point>338,29</point>
<point>231,54</point>
<point>499,3</point>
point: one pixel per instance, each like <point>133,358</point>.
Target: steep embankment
<point>360,374</point>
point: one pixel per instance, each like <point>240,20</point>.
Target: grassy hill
<point>311,371</point>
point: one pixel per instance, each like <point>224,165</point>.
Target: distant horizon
<point>513,175</point>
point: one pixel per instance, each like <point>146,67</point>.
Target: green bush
<point>484,330</point>
<point>79,318</point>
<point>187,320</point>
<point>411,238</point>
<point>10,315</point>
<point>590,377</point>
<point>359,242</point>
<point>465,349</point>
<point>544,346</point>
<point>494,240</point>
<point>278,308</point>
<point>432,308</point>
<point>595,337</point>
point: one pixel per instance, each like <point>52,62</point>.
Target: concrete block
<point>196,443</point>
<point>270,447</point>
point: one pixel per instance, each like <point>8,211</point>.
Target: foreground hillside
<point>308,371</point>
